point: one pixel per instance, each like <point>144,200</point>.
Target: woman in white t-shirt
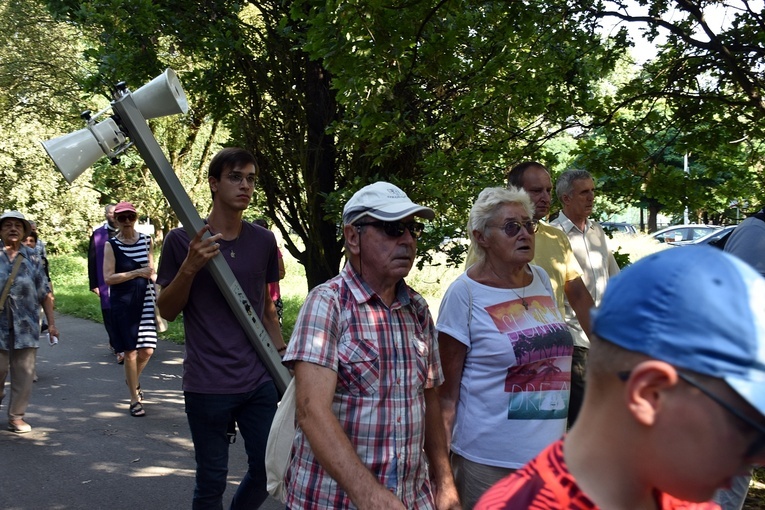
<point>505,349</point>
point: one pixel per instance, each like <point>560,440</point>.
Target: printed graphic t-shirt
<point>514,391</point>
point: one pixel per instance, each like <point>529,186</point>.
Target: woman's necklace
<point>522,297</point>
<point>523,287</point>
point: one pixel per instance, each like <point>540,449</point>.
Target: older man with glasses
<point>675,401</point>
<point>366,366</point>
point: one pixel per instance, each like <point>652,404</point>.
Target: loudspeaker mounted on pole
<point>73,153</point>
<point>161,96</point>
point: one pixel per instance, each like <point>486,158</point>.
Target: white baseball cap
<point>383,201</point>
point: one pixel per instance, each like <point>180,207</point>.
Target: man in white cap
<point>366,364</point>
<point>675,401</point>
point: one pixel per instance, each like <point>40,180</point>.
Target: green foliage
<point>38,96</point>
<point>333,96</point>
<point>69,270</point>
<point>69,274</point>
<point>622,259</point>
<point>697,97</point>
<point>437,97</point>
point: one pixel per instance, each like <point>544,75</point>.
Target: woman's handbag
<point>161,323</point>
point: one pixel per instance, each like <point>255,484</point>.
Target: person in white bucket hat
<point>24,288</point>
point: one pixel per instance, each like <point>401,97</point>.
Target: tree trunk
<point>653,210</point>
<point>323,250</point>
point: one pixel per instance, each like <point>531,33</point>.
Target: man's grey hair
<point>107,206</point>
<point>565,183</point>
<point>486,206</point>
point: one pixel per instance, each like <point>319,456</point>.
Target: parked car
<point>679,234</point>
<point>710,237</point>
<point>621,227</point>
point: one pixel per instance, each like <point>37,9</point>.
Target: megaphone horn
<point>161,96</point>
<point>73,153</point>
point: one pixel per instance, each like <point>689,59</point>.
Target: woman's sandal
<point>139,392</point>
<point>136,409</point>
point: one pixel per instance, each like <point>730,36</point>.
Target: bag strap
<point>148,261</point>
<point>9,281</point>
<point>470,308</point>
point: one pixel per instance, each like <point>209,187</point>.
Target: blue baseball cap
<point>696,308</point>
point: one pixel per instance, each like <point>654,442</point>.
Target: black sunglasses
<point>756,445</point>
<point>126,217</point>
<point>397,228</point>
<point>513,228</point>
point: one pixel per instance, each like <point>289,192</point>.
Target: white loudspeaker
<point>75,152</point>
<point>161,96</point>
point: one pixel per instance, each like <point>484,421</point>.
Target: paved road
<point>85,450</point>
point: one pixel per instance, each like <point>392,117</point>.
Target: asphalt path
<point>85,450</point>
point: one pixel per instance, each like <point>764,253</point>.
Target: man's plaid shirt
<point>384,359</point>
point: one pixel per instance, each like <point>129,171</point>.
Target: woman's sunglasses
<point>122,218</point>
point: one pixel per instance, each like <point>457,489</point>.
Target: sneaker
<point>19,426</point>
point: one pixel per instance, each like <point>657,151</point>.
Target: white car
<point>680,234</point>
<point>711,237</point>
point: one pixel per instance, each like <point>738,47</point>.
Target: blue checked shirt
<point>22,309</point>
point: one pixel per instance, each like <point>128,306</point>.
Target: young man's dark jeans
<point>578,373</point>
<point>209,416</point>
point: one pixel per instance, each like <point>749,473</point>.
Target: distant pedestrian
<point>40,245</point>
<point>39,248</point>
<point>24,289</point>
<point>576,192</point>
<point>273,287</point>
<point>30,241</point>
<point>98,286</point>
<point>129,272</point>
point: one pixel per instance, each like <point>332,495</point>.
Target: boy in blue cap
<point>675,399</point>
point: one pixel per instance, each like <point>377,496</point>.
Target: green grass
<point>70,279</point>
<point>73,297</point>
<point>69,274</point>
